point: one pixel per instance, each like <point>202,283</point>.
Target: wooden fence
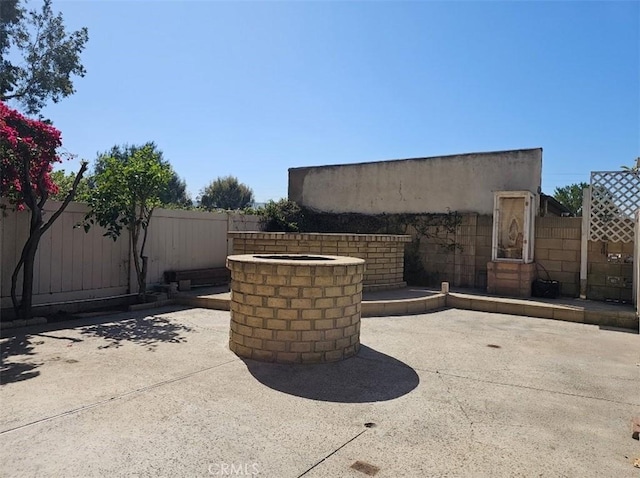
<point>73,265</point>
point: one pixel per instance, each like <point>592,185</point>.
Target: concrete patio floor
<point>449,393</point>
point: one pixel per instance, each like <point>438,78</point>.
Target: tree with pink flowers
<point>28,150</point>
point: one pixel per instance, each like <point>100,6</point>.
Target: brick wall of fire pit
<point>383,253</point>
<point>295,309</point>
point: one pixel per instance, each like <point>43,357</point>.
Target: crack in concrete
<point>527,387</point>
<point>330,454</point>
<point>114,398</point>
<point>464,412</point>
<point>400,191</point>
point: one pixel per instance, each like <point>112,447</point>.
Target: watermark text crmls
<point>234,469</point>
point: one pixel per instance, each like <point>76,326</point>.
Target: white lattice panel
<point>615,197</point>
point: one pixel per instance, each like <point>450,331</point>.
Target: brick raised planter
<point>510,278</point>
<point>383,253</point>
<point>294,309</point>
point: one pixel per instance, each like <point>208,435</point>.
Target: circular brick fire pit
<point>295,308</point>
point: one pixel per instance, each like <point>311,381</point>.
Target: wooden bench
<point>198,277</point>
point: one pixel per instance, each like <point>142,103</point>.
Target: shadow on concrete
<point>619,329</point>
<point>147,331</point>
<point>370,376</point>
<point>13,369</point>
<point>116,329</point>
<point>399,294</point>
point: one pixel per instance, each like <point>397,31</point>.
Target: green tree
<point>124,195</point>
<point>65,183</point>
<point>226,193</point>
<point>571,197</point>
<point>174,194</point>
<point>48,55</point>
<point>633,169</point>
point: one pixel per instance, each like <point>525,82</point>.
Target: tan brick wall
<point>462,266</point>
<point>383,254</point>
<point>307,312</point>
<point>610,280</point>
<point>557,250</point>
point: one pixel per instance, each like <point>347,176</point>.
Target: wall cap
<point>306,236</point>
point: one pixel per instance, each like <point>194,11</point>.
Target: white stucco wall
<point>463,183</point>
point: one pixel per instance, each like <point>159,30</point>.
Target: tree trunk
<point>22,309</point>
<point>141,261</point>
<point>142,280</point>
<point>134,235</point>
<point>27,282</point>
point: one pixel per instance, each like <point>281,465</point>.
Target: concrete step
<point>587,312</point>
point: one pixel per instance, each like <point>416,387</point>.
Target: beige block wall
<point>557,251</point>
<point>295,313</point>
<point>609,280</point>
<point>484,236</point>
<point>383,254</point>
<point>465,264</point>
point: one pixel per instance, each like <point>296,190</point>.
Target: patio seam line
<point>112,399</point>
<point>437,372</point>
<point>330,454</point>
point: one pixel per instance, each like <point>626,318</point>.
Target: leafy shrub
<point>282,216</point>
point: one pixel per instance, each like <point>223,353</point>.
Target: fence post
<point>584,245</point>
<point>636,264</point>
<point>229,228</point>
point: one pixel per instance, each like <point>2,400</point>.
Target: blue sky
<point>253,88</point>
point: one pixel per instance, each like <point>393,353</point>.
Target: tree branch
<point>69,198</point>
<point>44,194</point>
<point>13,96</point>
<point>31,48</point>
<point>144,237</point>
<point>29,195</point>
